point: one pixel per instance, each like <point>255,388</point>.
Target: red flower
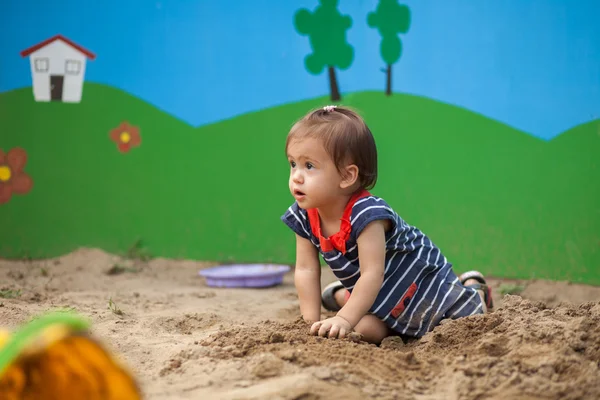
<point>126,136</point>
<point>12,177</point>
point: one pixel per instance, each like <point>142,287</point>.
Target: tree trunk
<point>388,83</point>
<point>335,92</point>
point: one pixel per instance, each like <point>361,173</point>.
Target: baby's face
<point>314,179</point>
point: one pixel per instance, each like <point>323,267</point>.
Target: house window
<point>41,64</point>
<point>73,67</point>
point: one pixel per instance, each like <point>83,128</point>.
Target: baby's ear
<point>349,176</point>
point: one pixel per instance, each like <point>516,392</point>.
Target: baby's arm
<point>371,250</point>
<point>307,278</point>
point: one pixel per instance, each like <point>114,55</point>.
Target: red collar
<point>337,240</point>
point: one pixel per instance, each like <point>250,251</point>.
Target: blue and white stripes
<point>411,257</point>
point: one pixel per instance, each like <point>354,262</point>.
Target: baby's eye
<point>293,164</point>
<point>309,165</point>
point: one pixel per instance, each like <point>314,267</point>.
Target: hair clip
<point>329,108</point>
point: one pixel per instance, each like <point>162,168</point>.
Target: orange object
<point>59,360</point>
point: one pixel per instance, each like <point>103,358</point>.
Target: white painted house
<point>57,69</point>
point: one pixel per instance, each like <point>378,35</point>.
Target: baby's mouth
<point>298,193</point>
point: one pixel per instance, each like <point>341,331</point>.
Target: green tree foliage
<point>390,18</point>
<point>326,29</point>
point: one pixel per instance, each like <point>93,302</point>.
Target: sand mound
<point>522,350</point>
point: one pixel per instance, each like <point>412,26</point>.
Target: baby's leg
<point>372,329</point>
<point>341,297</point>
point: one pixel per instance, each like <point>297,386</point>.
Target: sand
<point>184,340</point>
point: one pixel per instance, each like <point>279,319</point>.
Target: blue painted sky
<point>534,64</point>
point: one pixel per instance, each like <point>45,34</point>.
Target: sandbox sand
<point>184,340</point>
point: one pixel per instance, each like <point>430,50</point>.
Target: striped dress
<point>419,288</point>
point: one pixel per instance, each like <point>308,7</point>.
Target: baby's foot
<point>334,296</point>
<point>475,280</point>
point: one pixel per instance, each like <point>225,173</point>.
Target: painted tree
<point>390,18</point>
<point>326,29</point>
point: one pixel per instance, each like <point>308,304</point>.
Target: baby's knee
<point>372,329</point>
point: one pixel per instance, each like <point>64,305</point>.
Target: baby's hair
<point>346,138</point>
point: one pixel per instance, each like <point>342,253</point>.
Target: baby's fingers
<point>324,329</point>
<point>333,332</point>
<point>342,333</point>
<point>315,328</point>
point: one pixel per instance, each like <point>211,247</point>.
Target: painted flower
<point>12,177</point>
<point>126,136</point>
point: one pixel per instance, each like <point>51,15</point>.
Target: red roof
<point>46,42</point>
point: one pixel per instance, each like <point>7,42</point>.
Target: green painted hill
<point>490,196</point>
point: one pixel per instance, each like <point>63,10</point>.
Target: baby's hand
<point>336,326</point>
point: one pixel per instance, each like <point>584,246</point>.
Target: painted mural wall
<point>164,122</point>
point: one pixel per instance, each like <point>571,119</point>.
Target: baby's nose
<point>297,176</point>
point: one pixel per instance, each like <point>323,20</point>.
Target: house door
<point>56,87</point>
